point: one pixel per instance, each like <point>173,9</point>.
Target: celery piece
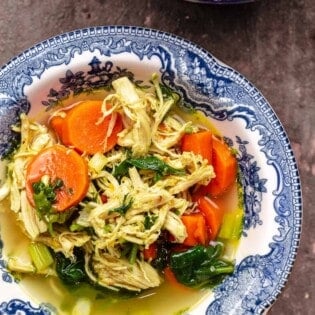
<point>126,90</point>
<point>98,162</point>
<point>232,225</point>
<point>230,248</point>
<point>40,256</point>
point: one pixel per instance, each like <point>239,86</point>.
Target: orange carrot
<point>225,168</point>
<point>150,253</point>
<point>196,229</point>
<point>170,278</point>
<point>59,162</point>
<point>213,214</point>
<point>198,143</point>
<point>56,123</point>
<point>83,128</point>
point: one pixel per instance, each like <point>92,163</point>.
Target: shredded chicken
<point>65,241</point>
<point>34,138</point>
<point>114,272</point>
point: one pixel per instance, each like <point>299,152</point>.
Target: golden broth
<point>153,302</point>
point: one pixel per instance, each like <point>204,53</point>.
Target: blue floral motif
<point>254,186</point>
<point>100,76</point>
<point>215,87</point>
<point>5,275</point>
<point>211,86</point>
<point>10,110</point>
<point>19,307</point>
<point>236,290</point>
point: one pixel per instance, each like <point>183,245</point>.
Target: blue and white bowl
<point>87,58</point>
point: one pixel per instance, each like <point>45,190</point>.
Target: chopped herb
<point>151,163</point>
<point>107,228</point>
<point>234,151</point>
<point>126,248</point>
<point>124,207</point>
<point>149,221</point>
<point>45,195</point>
<point>44,198</point>
<point>165,91</point>
<point>189,129</point>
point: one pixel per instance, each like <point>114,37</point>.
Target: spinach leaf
<point>71,271</point>
<point>151,163</point>
<point>201,266</point>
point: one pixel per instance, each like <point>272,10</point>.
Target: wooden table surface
<point>271,42</point>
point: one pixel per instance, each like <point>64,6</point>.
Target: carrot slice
<point>56,123</point>
<point>196,229</point>
<point>225,168</point>
<point>213,215</point>
<point>198,143</point>
<point>59,162</point>
<point>82,128</point>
